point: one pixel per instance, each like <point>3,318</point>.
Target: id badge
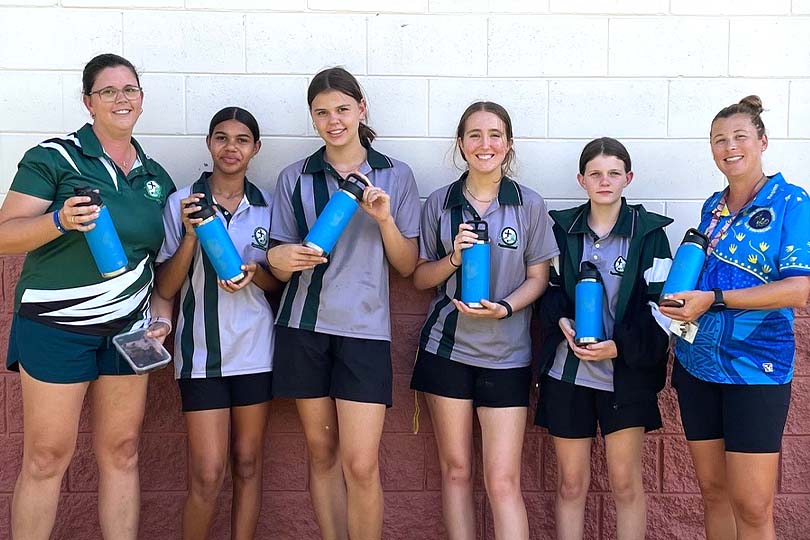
<point>684,330</point>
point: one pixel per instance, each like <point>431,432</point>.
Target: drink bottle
<point>336,215</point>
<point>103,240</point>
<point>686,267</point>
<point>217,243</point>
<point>589,299</point>
<point>475,267</point>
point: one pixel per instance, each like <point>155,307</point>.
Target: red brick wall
<point>410,469</point>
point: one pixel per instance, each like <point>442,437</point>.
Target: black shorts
<point>569,411</point>
<point>311,365</point>
<point>486,387</point>
<point>750,418</point>
<point>225,392</point>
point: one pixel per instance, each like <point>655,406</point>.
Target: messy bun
<point>750,106</point>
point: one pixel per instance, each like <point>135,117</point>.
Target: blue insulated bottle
<point>336,215</point>
<point>216,243</point>
<point>686,268</point>
<point>475,267</point>
<point>103,240</point>
<point>589,295</point>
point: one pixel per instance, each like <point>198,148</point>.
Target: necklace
<point>471,194</point>
<point>232,195</point>
<point>126,161</point>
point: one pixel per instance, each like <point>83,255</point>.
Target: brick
<point>402,462</point>
<point>730,7</point>
<point>77,517</point>
<point>405,331</point>
<point>405,298</point>
<point>781,55</point>
<point>3,405</point>
<point>41,110</point>
<point>795,464</point>
<point>547,41</point>
<point>791,516</point>
<point>14,406</point>
<point>285,462</point>
<point>799,109</point>
<point>642,47</point>
<point>798,421</point>
<point>283,417</point>
<point>801,329</point>
<point>375,6</point>
<point>285,114</point>
<point>489,6</point>
<point>542,526</point>
<point>419,45</point>
<point>5,330</point>
<point>161,515</point>
<point>5,516</point>
<point>526,99</point>
<point>12,268</point>
<point>399,418</point>
<point>618,7</point>
<point>11,451</point>
<point>668,517</point>
<point>181,42</point>
<point>163,409</point>
<point>298,45</point>
<point>531,467</point>
<point>43,45</point>
<point>678,470</point>
<point>287,515</point>
<point>694,102</point>
<point>397,106</point>
<point>632,108</point>
<point>412,515</point>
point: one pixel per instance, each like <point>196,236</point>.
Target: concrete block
<point>668,517</point>
<point>801,7</point>
<point>287,511</point>
<point>402,462</point>
<point>31,101</point>
<point>405,331</point>
<point>293,43</point>
<point>678,471</point>
<point>795,464</point>
<point>644,47</point>
<point>182,42</point>
<point>285,462</point>
<point>801,330</point>
<point>799,122</point>
<point>525,99</point>
<point>397,107</point>
<point>11,447</point>
<point>374,6</point>
<point>686,215</point>
<point>12,148</point>
<point>538,46</point>
<point>412,515</point>
<point>730,7</point>
<point>46,38</point>
<point>3,400</point>
<point>781,156</point>
<point>783,54</point>
<point>427,45</point>
<point>694,102</point>
<point>76,517</point>
<point>247,5</point>
<point>611,7</point>
<point>283,417</point>
<point>489,6</point>
<point>798,421</point>
<point>430,159</point>
<point>790,513</point>
<point>278,103</point>
<point>151,4</point>
<point>620,108</point>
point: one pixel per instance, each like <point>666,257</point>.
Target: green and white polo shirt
<point>60,285</point>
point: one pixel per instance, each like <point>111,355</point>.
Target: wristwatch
<point>719,303</point>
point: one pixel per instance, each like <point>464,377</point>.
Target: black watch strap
<point>719,303</point>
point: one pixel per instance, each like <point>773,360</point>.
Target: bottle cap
<point>86,191</point>
<point>588,270</point>
<point>354,185</point>
<point>480,228</point>
<point>694,236</point>
<point>206,210</point>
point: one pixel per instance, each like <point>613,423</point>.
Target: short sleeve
<point>283,226</point>
<point>541,245</point>
<point>173,226</point>
<point>37,174</point>
<point>794,249</point>
<point>406,214</point>
<point>428,243</point>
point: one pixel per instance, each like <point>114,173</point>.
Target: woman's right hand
<point>78,218</point>
<point>189,206</point>
<point>463,240</point>
<point>294,257</point>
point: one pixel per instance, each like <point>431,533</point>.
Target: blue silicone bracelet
<point>58,223</point>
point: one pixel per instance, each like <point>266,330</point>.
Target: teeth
<point>486,156</point>
<point>733,158</point>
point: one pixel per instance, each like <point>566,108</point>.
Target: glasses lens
<point>132,92</point>
<point>107,94</point>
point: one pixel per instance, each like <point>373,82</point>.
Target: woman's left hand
<point>232,286</point>
<point>491,310</point>
<point>696,303</point>
<point>376,202</point>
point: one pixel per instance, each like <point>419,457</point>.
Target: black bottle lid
<point>86,191</point>
<point>694,236</point>
<point>206,210</point>
<point>480,228</point>
<point>588,270</point>
<point>354,185</point>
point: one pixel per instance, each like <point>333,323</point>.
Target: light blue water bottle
<point>686,268</point>
<point>589,299</point>
<point>216,243</point>
<point>103,241</point>
<point>336,215</point>
<point>475,267</point>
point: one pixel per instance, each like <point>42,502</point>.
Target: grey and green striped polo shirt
<point>60,285</point>
<point>348,296</point>
<point>520,236</point>
<point>221,333</point>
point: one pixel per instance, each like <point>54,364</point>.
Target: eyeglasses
<point>109,93</point>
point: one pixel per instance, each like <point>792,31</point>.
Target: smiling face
<point>120,115</point>
<point>232,147</point>
<point>736,147</point>
<point>337,117</point>
<point>605,179</point>
<point>484,144</point>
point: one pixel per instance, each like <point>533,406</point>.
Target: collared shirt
<point>60,284</point>
<point>769,240</point>
<point>347,296</point>
<point>520,236</point>
<point>220,333</point>
<point>609,255</point>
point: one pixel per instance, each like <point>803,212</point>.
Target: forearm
<point>159,306</point>
<point>430,274</point>
<point>786,293</point>
<point>172,273</point>
<point>24,234</point>
<point>401,252</point>
<point>528,291</point>
<point>265,280</point>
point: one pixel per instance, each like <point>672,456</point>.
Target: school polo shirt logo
<point>153,190</point>
<point>509,238</point>
<point>260,238</point>
<point>761,220</point>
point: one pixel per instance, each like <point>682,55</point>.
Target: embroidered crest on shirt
<point>509,238</point>
<point>618,266</point>
<point>760,220</point>
<point>260,238</point>
<point>153,190</point>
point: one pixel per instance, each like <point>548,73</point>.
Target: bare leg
<point>752,486</point>
<point>624,471</point>
<point>709,458</point>
<point>573,480</point>
<point>246,467</point>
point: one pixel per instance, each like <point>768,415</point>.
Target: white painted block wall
<point>650,72</point>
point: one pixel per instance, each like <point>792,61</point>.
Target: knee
<point>572,488</point>
<point>323,453</point>
<point>245,464</point>
<point>207,478</point>
<point>502,486</point>
<point>713,491</point>
<point>754,511</point>
<point>120,454</point>
<point>626,486</point>
<point>44,462</point>
<point>361,470</point>
<point>456,471</point>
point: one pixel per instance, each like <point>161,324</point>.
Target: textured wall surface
<point>652,72</point>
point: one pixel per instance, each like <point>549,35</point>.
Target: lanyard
<point>718,210</point>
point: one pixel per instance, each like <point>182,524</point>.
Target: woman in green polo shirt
<point>66,312</point>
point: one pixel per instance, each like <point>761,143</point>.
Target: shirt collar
<point>508,192</point>
<point>252,193</point>
<point>623,227</point>
<point>317,163</point>
<point>91,147</point>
